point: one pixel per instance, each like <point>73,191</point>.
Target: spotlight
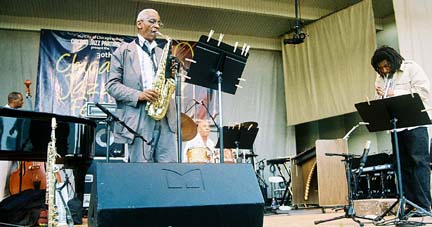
<point>296,39</point>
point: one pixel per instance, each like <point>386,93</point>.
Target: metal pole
<point>221,144</point>
<point>178,101</point>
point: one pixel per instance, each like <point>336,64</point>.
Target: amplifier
<point>92,111</point>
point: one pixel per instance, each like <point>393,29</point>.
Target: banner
<point>74,66</point>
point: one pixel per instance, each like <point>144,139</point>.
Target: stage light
<point>296,39</point>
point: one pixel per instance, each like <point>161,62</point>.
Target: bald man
<point>201,142</point>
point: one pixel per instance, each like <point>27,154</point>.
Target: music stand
<point>237,138</point>
<point>390,114</point>
<point>217,65</point>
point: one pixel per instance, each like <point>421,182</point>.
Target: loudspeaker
<point>116,149</point>
<point>175,194</point>
<point>90,175</point>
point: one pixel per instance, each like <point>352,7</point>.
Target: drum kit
<point>204,155</point>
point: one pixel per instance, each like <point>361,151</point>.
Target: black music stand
<point>390,114</point>
<point>237,138</point>
<point>217,65</point>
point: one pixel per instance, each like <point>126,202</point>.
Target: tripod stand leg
<point>387,211</point>
<point>421,210</point>
<point>339,217</point>
<point>330,219</point>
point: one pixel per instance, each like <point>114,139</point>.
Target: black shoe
<point>408,208</point>
<point>416,213</point>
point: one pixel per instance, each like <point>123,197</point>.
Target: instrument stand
<point>349,209</point>
<point>390,114</point>
<point>66,184</point>
<point>259,173</point>
<point>216,62</point>
<point>287,179</point>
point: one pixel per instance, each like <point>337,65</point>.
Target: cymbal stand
<point>349,209</point>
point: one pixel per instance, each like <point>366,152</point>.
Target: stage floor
<point>306,218</point>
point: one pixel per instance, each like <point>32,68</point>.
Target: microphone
<point>364,156</point>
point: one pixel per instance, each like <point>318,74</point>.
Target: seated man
<point>201,147</point>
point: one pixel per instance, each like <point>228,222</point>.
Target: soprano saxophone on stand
<point>51,170</point>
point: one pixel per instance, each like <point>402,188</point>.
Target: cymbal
<point>188,127</point>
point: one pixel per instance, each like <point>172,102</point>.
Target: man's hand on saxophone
<point>149,95</point>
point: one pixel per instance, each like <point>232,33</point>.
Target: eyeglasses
<point>154,21</point>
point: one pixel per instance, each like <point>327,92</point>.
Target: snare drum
<point>198,155</point>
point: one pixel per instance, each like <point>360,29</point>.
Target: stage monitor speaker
<point>175,194</point>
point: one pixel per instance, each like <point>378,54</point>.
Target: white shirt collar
<point>150,45</point>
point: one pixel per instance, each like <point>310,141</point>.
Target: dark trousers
<point>414,160</point>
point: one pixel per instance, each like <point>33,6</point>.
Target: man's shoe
<point>416,213</point>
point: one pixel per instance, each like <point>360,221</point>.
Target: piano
<point>24,135</point>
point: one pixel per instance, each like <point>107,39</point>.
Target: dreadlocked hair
<point>387,53</point>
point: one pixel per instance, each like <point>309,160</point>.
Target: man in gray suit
<point>133,67</point>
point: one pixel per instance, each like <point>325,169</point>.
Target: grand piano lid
<point>8,112</point>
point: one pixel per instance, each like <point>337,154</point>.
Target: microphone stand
<point>111,118</point>
<point>193,105</point>
<point>214,121</point>
<point>352,130</point>
<point>349,209</point>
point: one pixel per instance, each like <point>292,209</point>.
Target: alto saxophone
<point>51,170</point>
<point>165,87</point>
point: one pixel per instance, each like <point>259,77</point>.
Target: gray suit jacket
<point>124,85</point>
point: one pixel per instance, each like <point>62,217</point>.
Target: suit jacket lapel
<point>135,59</point>
<point>158,53</point>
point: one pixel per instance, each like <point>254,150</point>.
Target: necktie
<point>149,53</point>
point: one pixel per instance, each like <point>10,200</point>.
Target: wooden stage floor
<point>306,218</point>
